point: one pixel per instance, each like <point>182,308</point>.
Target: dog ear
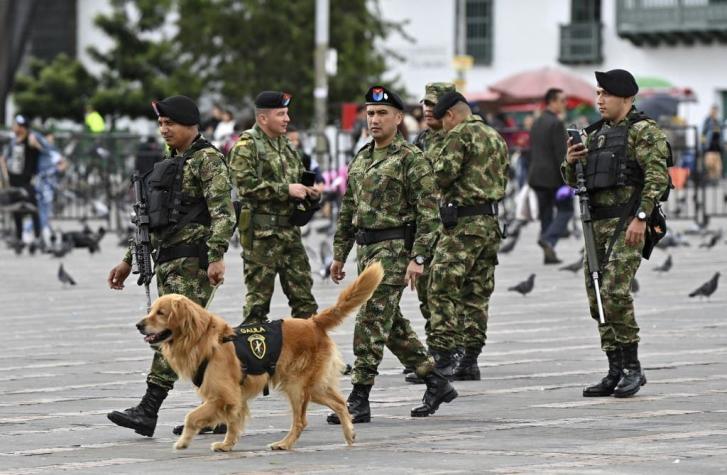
<point>188,316</point>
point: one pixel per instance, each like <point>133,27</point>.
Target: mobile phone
<point>575,136</point>
<point>308,178</point>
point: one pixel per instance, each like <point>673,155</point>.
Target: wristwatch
<point>641,215</point>
<point>419,260</point>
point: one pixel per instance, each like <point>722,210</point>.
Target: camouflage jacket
<point>428,141</point>
<point>388,193</point>
<point>647,144</point>
<point>472,164</point>
<point>205,175</point>
<point>261,177</point>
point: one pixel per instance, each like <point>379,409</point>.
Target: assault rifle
<point>141,242</point>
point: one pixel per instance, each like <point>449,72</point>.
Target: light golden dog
<point>308,368</point>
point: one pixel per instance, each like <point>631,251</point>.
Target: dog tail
<point>352,296</point>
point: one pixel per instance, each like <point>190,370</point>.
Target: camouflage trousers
<point>615,282</point>
<point>379,322</point>
<point>283,255</point>
<point>179,276</point>
<point>461,280</point>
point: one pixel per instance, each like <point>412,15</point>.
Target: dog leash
<point>212,294</point>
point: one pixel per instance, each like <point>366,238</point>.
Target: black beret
<point>272,100</point>
<point>181,109</point>
<point>618,82</point>
<point>380,96</point>
<point>446,102</point>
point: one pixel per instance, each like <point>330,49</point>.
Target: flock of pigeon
<point>710,240</point>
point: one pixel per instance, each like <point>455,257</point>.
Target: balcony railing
<point>672,21</point>
<point>580,43</point>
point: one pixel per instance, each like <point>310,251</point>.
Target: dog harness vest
<point>257,347</point>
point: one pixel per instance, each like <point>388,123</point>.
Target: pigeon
<point>524,287</point>
<point>635,286</point>
<point>509,245</point>
<point>707,288</point>
<point>713,240</point>
<point>574,267</point>
<point>64,276</point>
<point>665,266</point>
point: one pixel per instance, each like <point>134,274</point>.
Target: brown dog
<point>308,368</point>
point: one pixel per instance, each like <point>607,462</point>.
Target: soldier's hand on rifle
<point>575,152</point>
<point>635,232</point>
<point>118,275</point>
<point>413,272</point>
<point>337,273</point>
<point>216,272</point>
<point>296,190</point>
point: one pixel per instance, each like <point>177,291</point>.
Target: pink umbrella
<point>532,85</point>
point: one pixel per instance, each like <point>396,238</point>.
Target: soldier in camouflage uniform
<point>429,142</point>
<point>267,172</point>
<point>471,173</point>
<point>390,212</point>
<point>189,254</point>
<point>627,137</point>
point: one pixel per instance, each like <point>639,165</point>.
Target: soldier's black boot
<point>633,377</point>
<point>358,405</point>
<point>467,369</point>
<point>413,378</point>
<point>439,390</point>
<point>218,429</point>
<point>608,384</point>
<point>142,418</point>
<point>444,362</point>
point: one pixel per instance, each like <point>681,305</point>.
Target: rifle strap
<point>621,223</point>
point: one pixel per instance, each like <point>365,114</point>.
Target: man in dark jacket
<point>548,147</point>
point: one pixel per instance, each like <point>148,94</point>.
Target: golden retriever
<point>308,368</point>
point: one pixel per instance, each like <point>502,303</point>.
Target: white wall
<point>526,36</point>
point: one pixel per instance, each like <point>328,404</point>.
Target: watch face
<point>642,215</point>
<point>419,260</point>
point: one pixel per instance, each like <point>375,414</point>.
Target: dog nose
<point>140,326</point>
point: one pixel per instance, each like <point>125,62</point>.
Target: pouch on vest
<point>303,211</point>
<point>160,190</point>
<point>448,215</point>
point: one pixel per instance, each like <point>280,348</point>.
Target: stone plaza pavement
<point>70,355</point>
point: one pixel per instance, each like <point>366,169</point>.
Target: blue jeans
<point>552,228</point>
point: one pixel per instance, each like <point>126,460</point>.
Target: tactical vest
<point>258,346</point>
<point>167,205</point>
<point>608,164</point>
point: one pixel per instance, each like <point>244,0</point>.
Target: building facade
<point>681,41</point>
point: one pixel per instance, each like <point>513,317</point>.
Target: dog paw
<point>179,445</point>
<point>279,446</point>
<point>220,447</point>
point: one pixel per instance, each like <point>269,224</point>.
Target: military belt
<point>271,220</point>
<point>489,209</point>
<point>372,236</point>
<point>166,254</point>
<point>599,213</point>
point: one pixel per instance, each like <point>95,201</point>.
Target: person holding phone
<point>625,158</point>
<point>268,172</point>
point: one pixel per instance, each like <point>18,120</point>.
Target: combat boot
<point>633,378</point>
<point>142,418</point>
<point>218,429</point>
<point>608,384</point>
<point>467,369</point>
<point>439,390</point>
<point>444,362</point>
<point>413,378</point>
<point>358,405</point>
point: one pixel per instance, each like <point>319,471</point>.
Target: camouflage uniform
<point>262,178</point>
<point>205,175</point>
<point>648,145</point>
<point>430,142</point>
<point>471,169</point>
<point>386,190</point>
